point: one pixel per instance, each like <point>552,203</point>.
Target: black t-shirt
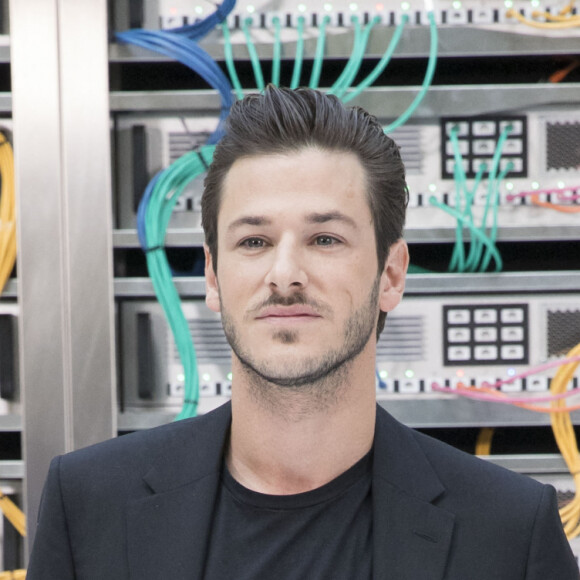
<point>321,534</point>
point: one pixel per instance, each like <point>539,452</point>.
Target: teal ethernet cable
<point>474,230</point>
<point>229,57</point>
<point>277,51</point>
<point>256,66</point>
<point>476,260</point>
<point>431,64</point>
<point>299,54</point>
<point>319,54</point>
<point>353,65</point>
<point>167,186</point>
<point>353,56</point>
<point>491,201</point>
<point>463,201</point>
<point>382,64</point>
<point>493,234</point>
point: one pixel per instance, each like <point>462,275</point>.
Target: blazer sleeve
<point>550,556</point>
<point>51,555</point>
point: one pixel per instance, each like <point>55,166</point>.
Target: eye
<point>326,240</point>
<point>253,243</point>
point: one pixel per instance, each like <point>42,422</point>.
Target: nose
<point>286,273</point>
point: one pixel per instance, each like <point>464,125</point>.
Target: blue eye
<point>253,243</point>
<point>325,241</point>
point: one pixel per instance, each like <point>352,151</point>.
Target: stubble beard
<point>312,384</point>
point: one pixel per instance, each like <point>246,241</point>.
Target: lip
<point>297,312</point>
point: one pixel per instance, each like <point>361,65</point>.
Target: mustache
<point>297,298</point>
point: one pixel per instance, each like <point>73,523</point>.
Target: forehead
<point>309,180</point>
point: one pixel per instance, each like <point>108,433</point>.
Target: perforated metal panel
<point>563,331</point>
<point>563,146</point>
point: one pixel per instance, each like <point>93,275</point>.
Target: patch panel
<point>172,13</point>
<point>412,352</point>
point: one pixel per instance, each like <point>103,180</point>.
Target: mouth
<point>288,314</point>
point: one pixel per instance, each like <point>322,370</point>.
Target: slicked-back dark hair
<point>282,121</point>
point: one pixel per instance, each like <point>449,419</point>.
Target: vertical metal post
<point>62,155</point>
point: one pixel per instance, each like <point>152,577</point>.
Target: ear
<point>212,295</point>
<point>393,277</point>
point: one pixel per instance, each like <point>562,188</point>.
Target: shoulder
<point>128,457</point>
<point>458,469</point>
<point>467,481</point>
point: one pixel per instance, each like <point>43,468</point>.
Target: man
<point>302,476</point>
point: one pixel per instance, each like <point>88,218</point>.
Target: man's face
<point>297,284</point>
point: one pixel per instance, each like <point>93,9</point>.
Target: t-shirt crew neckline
<point>327,492</point>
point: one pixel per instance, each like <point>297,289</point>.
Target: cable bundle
<point>342,86</point>
<point>181,45</point>
<point>7,212</point>
<point>564,19</point>
<point>562,426</point>
<point>566,440</point>
<point>154,214</point>
<point>165,188</point>
<point>477,260</point>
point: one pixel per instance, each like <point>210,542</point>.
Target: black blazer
<point>140,507</point>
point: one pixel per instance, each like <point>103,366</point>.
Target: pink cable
<point>534,370</point>
<point>497,399</point>
<point>558,190</point>
<point>514,400</point>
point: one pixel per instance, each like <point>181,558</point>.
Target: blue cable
<point>200,29</point>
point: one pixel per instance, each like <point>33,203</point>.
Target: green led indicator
<point>509,185</point>
<point>561,185</point>
<point>457,5</point>
<point>383,374</point>
<point>353,7</point>
<point>301,7</point>
<point>508,4</point>
<point>535,185</point>
<point>199,10</point>
<point>180,377</point>
<point>405,6</point>
<point>409,374</point>
<point>206,376</point>
<point>328,7</point>
<point>230,376</point>
<point>432,188</point>
<point>251,9</point>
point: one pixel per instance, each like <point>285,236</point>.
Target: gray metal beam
<point>384,102</point>
<point>61,137</point>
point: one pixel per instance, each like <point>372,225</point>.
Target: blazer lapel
<point>168,530</point>
<point>411,536</point>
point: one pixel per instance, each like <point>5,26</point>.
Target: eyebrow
<point>249,220</point>
<point>312,218</point>
<point>322,218</point>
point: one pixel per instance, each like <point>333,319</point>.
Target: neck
<point>287,440</point>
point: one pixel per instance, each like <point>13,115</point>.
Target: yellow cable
<point>483,442</point>
<point>569,22</point>
<point>13,514</point>
<point>566,439</point>
<point>553,17</point>
<point>7,212</point>
<point>15,575</point>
